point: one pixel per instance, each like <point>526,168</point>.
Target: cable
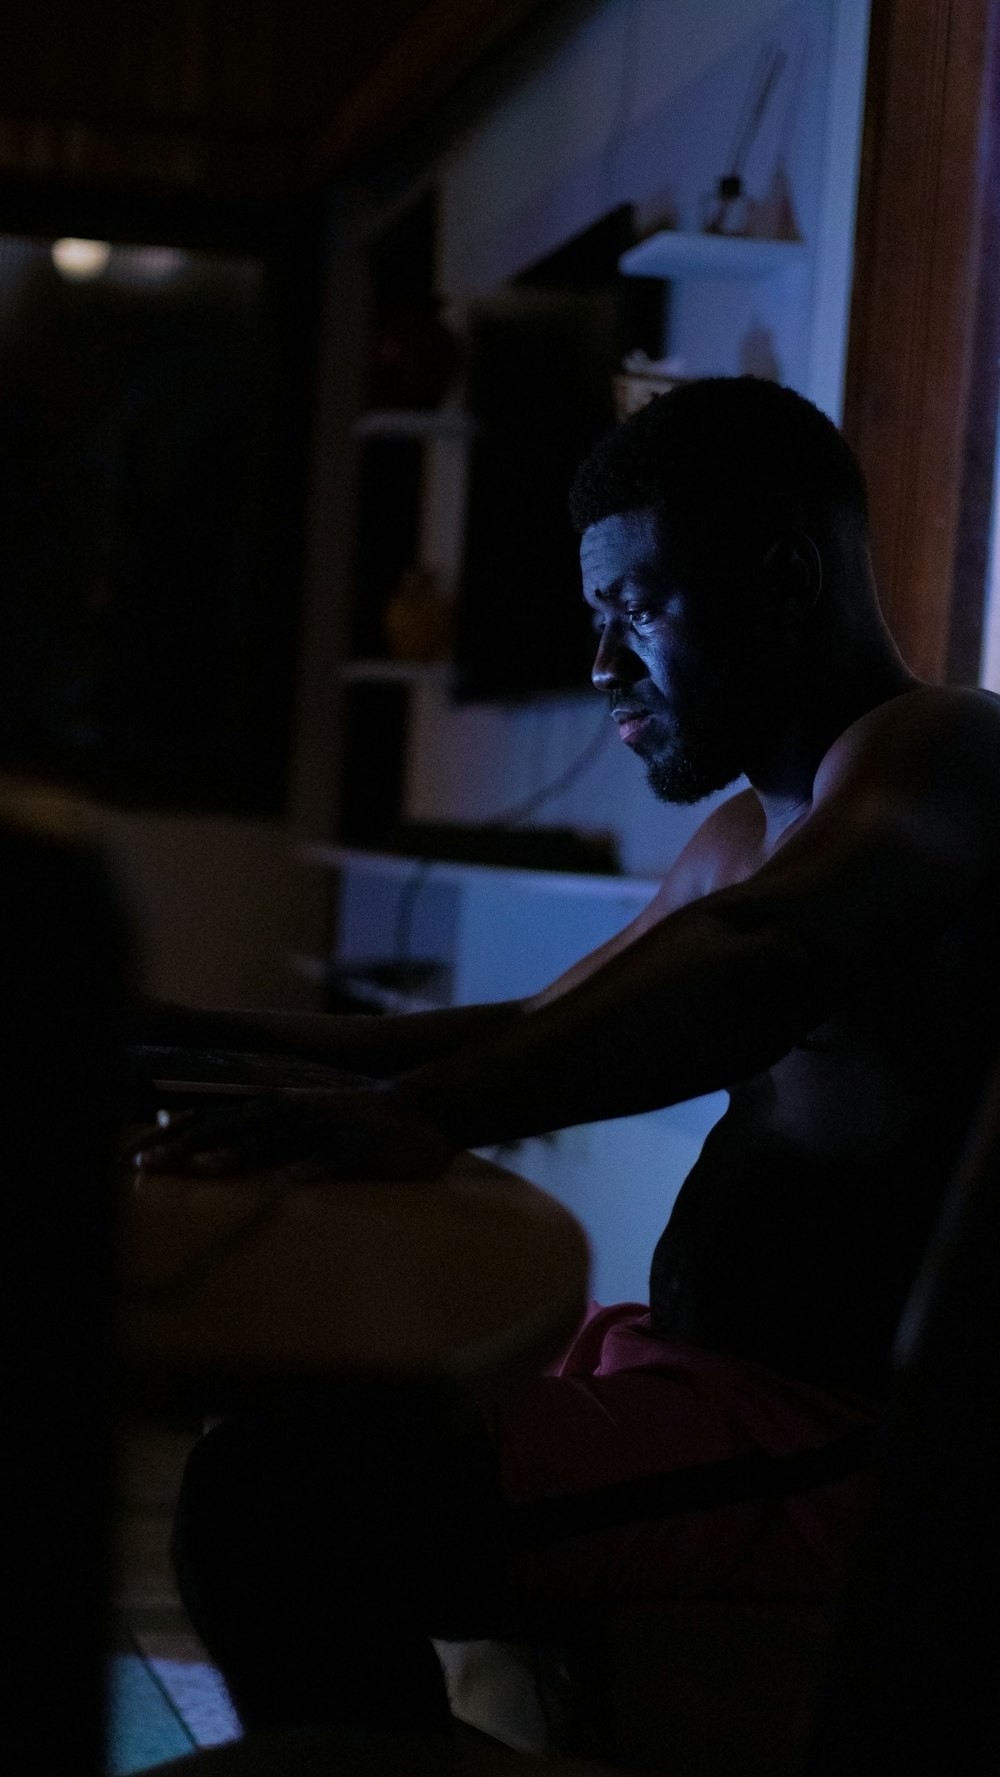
<point>519,811</point>
<point>770,61</point>
<point>507,818</point>
<point>796,87</point>
<point>405,909</point>
<point>618,125</point>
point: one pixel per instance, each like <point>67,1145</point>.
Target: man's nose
<point>614,662</point>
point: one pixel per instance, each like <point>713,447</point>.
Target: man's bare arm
<point>901,840</point>
<point>712,994</point>
<point>363,1131</point>
<point>386,1045</point>
<point>361,1043</point>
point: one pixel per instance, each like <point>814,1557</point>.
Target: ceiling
<point>250,98</point>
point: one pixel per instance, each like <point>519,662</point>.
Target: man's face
<point>669,659</point>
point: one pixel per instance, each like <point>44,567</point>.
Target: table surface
<point>327,1753</point>
<point>474,1274</point>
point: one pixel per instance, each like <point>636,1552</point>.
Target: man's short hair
<point>730,460</point>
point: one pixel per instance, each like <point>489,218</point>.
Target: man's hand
<point>314,1135</point>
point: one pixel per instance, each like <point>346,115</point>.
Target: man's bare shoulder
<point>902,826</point>
<point>943,740</point>
<point>917,778</point>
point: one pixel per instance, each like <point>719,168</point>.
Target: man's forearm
<point>362,1043</point>
<point>691,1007</point>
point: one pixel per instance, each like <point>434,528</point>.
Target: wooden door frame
<point>917,309</point>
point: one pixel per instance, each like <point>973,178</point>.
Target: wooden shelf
<point>671,254</point>
<point>401,422</point>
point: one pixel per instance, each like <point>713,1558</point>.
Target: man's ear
<point>792,575</point>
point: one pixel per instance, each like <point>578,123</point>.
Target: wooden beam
<point>917,265</point>
<point>440,47</point>
<point>147,158</point>
<point>92,133</point>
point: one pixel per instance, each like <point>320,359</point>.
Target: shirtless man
<point>817,950</point>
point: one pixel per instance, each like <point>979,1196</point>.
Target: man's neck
<point>785,770</point>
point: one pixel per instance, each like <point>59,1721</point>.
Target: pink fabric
<point>621,1403</point>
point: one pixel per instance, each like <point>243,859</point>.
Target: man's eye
<point>641,617</point>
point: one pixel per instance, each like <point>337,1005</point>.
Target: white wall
<point>592,127</point>
<point>990,676</point>
<point>639,104</point>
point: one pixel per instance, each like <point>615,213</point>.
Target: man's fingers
<point>216,1162</point>
<point>181,1140</point>
<point>164,1157</point>
<point>309,1142</point>
<point>231,1141</point>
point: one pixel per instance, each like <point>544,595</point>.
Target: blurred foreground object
<point>65,968</point>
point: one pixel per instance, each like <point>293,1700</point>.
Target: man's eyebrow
<point>643,579</point>
<point>605,594</point>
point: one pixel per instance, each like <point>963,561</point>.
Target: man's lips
<point>631,722</point>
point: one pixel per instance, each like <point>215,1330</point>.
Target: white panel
<point>514,940</point>
<point>620,1179</point>
<point>834,245</point>
<point>991,642</point>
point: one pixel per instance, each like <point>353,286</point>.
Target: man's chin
<point>683,780</point>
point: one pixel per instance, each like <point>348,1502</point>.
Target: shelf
<point>395,672</point>
<point>672,254</point>
<point>401,422</point>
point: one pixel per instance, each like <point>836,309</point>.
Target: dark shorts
<point>407,1503</point>
<point>622,1404</point>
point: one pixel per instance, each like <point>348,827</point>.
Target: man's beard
<point>693,761</point>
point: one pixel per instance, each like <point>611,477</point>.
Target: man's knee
<point>222,1528</point>
<point>384,1496</point>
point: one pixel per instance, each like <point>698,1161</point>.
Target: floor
<point>166,1698</point>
